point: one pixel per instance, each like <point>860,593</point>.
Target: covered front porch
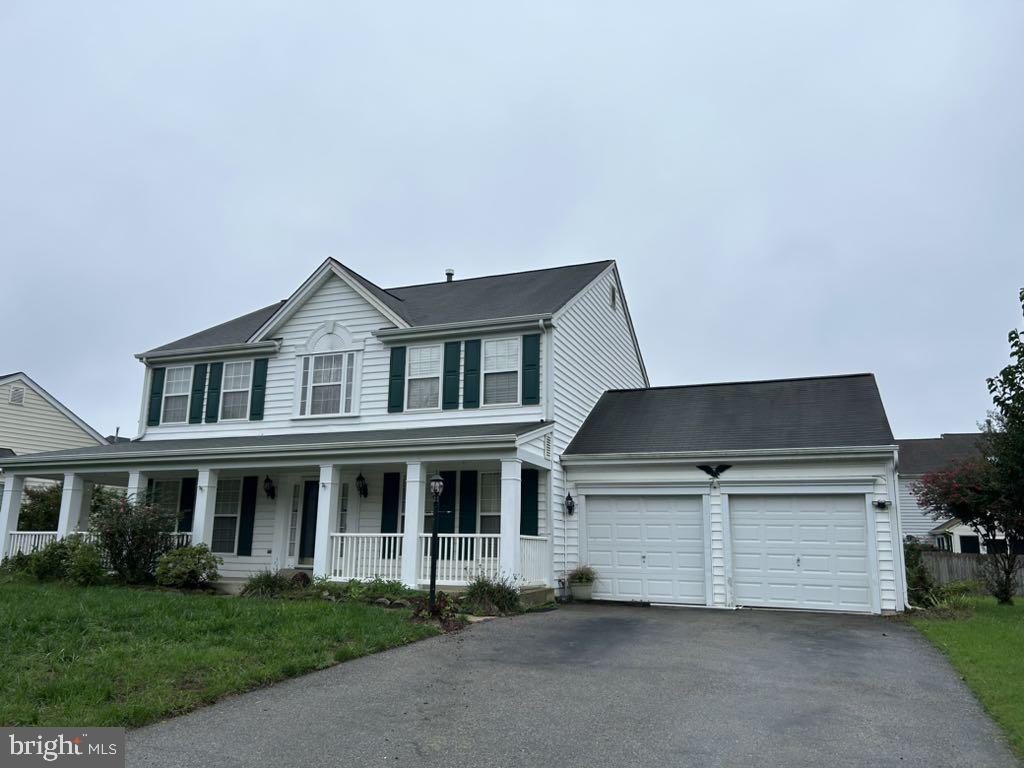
<point>341,518</point>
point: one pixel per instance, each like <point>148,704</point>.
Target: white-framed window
<point>177,391</point>
<point>501,372</point>
<point>293,520</point>
<point>328,384</point>
<point>489,511</point>
<point>423,378</point>
<point>16,396</point>
<point>225,515</point>
<point>234,392</point>
<point>167,494</point>
<point>343,509</point>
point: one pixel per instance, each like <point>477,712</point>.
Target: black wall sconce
<point>361,486</point>
<point>269,488</point>
<point>570,504</point>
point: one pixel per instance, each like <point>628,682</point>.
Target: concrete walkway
<point>612,686</point>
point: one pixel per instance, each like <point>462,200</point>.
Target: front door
<point>307,532</point>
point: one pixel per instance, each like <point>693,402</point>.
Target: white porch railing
<point>27,542</point>
<point>533,558</point>
<point>366,556</point>
<point>461,557</point>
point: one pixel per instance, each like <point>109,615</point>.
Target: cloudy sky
<point>790,189</point>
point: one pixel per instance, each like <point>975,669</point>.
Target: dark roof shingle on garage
<point>920,456</point>
<point>821,412</point>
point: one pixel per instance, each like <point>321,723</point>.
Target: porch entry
<point>307,529</point>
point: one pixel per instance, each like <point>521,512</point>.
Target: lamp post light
<point>436,487</point>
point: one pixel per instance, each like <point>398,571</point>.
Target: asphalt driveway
<point>610,686</point>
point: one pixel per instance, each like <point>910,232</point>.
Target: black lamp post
<point>436,487</point>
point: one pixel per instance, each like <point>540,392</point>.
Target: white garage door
<point>800,552</point>
<point>647,548</point>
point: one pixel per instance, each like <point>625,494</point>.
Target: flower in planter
<point>582,574</point>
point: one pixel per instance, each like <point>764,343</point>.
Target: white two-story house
<point>305,435</point>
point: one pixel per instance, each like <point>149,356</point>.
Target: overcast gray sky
<point>790,189</point>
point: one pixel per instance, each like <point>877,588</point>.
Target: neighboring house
<point>32,420</point>
<point>305,434</point>
<point>917,458</point>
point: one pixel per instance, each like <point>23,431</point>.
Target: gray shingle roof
<point>823,412</point>
<point>323,440</point>
<point>920,456</point>
<point>537,292</point>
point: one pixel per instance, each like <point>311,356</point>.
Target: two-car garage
<point>760,495</point>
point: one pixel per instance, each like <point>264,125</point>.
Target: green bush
<point>51,562</point>
<point>85,566</point>
<point>267,584</point>
<point>491,597</point>
<point>18,564</point>
<point>582,574</point>
<point>188,567</point>
<point>132,533</point>
<point>363,591</point>
<point>920,584</point>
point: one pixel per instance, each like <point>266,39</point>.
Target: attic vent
<point>547,446</point>
<point>17,396</point>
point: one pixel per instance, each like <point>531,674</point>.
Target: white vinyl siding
<point>423,377</point>
<point>501,371</point>
<point>916,522</point>
<point>37,425</point>
<point>225,516</point>
<point>234,397</point>
<point>177,387</point>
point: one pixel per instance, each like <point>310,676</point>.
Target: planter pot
<point>581,591</point>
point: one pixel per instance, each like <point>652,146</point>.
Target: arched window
<point>328,373</point>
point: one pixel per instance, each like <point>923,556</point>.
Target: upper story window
<point>234,396</point>
<point>423,377</point>
<point>328,385</point>
<point>501,371</point>
<point>177,385</point>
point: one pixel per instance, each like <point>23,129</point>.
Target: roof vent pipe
<point>449,274</point>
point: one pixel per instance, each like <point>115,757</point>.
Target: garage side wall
<point>874,478</point>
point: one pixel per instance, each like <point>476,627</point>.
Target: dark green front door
<point>307,534</point>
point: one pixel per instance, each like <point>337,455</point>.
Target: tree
<point>40,508</point>
<point>132,533</point>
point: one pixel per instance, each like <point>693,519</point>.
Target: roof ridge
<point>502,274</point>
<point>754,381</point>
<point>364,278</point>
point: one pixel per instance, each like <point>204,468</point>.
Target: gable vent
<point>547,446</point>
<point>17,396</point>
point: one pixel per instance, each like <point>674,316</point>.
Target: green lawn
<point>116,656</point>
<point>988,650</point>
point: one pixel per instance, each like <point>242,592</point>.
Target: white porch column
<point>72,501</point>
<point>415,490</point>
<point>136,483</point>
<point>511,511</point>
<point>326,518</point>
<point>206,502</point>
<point>10,509</point>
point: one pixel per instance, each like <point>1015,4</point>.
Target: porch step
<point>531,597</point>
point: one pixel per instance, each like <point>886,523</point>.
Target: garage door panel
<point>822,565</point>
<point>655,546</point>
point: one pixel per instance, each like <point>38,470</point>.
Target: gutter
<point>524,322</point>
<point>794,453</point>
<point>200,353</point>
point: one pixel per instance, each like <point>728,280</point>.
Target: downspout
<point>147,372</point>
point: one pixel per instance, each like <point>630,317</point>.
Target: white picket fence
<point>461,557</point>
<point>27,542</point>
<point>366,556</point>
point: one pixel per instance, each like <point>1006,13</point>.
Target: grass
<point>987,648</point>
<point>124,657</point>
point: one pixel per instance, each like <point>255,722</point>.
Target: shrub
<point>18,564</point>
<point>267,584</point>
<point>132,533</point>
<point>447,612</point>
<point>364,591</point>
<point>920,584</point>
<point>582,574</point>
<point>188,567</point>
<point>85,565</point>
<point>489,597</point>
<point>40,508</point>
<point>51,562</point>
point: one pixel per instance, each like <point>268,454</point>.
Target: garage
<point>647,548</point>
<point>764,494</point>
<point>805,552</point>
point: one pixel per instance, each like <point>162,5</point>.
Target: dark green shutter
<point>186,503</point>
<point>467,501</point>
<point>156,396</point>
<point>396,381</point>
<point>213,392</point>
<point>248,517</point>
<point>450,396</point>
<point>471,376</point>
<point>446,504</point>
<point>195,410</point>
<point>528,512</point>
<point>259,389</point>
<point>391,494</point>
<point>531,369</point>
